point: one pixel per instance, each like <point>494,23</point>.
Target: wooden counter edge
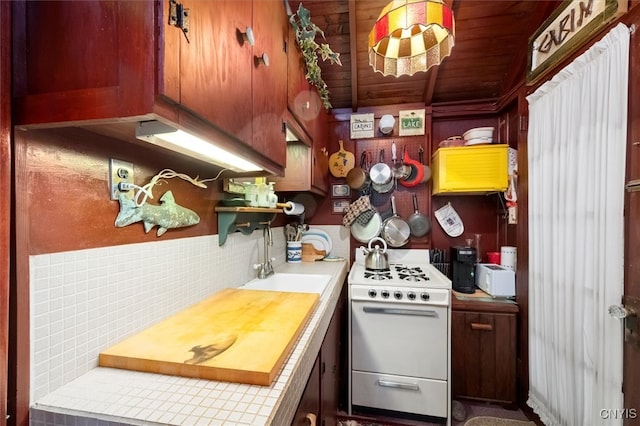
<point>482,304</point>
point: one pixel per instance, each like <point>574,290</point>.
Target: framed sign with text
<point>362,126</point>
<point>411,122</point>
<point>568,28</point>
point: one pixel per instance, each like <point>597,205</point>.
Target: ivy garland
<point>306,32</point>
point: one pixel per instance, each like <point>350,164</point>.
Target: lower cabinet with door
<point>319,402</point>
<point>483,350</point>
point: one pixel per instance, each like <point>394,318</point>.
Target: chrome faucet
<point>266,268</point>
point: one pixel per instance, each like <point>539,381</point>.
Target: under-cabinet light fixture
<point>166,136</point>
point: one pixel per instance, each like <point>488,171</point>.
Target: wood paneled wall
<point>481,214</point>
<point>63,178</point>
<point>5,200</point>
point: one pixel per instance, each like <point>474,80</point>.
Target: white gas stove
<point>399,336</point>
<point>409,279</point>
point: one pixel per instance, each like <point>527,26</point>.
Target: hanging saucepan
<point>417,172</point>
<point>419,224</point>
<point>381,176</point>
<point>380,172</point>
<point>400,170</point>
<point>395,230</point>
<point>358,177</point>
<point>427,170</point>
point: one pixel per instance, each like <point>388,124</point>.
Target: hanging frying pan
<point>419,224</point>
<point>395,230</point>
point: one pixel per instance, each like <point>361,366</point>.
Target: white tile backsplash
<point>85,301</point>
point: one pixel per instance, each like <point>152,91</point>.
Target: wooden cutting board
<point>341,162</point>
<point>236,335</point>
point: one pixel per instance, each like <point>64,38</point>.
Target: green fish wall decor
<point>167,215</point>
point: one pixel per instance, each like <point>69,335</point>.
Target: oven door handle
<point>398,311</point>
<point>398,385</point>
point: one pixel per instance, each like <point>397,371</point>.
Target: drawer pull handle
<point>483,327</point>
<point>396,311</point>
<point>398,385</point>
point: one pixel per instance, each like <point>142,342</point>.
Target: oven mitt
<point>361,206</point>
<point>364,217</point>
<point>449,220</point>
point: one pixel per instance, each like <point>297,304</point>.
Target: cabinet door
<point>296,175</point>
<point>302,98</point>
<point>310,402</point>
<point>330,369</point>
<point>216,65</point>
<point>270,27</point>
<point>483,353</point>
<point>59,76</point>
<point>320,170</point>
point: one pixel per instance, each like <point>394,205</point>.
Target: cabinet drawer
<point>469,169</point>
<point>407,394</point>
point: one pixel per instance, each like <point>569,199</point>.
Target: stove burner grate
<point>408,273</point>
<point>380,275</point>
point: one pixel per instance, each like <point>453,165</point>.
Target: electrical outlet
<point>120,171</point>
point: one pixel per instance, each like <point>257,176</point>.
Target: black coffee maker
<point>463,265</point>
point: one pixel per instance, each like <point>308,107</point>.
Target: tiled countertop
<point>106,396</point>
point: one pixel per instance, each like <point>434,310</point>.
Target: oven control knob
<point>385,294</point>
<point>411,295</point>
<point>373,293</point>
<point>397,295</point>
<point>424,296</point>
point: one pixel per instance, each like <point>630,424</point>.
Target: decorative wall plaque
<point>411,122</point>
<point>362,126</point>
<point>568,27</point>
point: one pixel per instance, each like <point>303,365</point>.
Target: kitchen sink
<point>300,283</point>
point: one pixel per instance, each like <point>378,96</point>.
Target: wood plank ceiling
<point>488,60</point>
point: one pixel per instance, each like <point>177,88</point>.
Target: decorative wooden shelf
<point>243,219</point>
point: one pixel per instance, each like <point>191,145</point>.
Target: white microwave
<point>496,280</point>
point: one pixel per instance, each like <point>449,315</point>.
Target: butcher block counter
<point>125,397</point>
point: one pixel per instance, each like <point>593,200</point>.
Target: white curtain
<point>576,154</point>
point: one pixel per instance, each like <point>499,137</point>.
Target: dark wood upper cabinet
<point>271,27</point>
<point>105,65</point>
<point>302,98</point>
<point>307,166</point>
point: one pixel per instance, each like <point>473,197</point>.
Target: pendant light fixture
<point>411,36</point>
